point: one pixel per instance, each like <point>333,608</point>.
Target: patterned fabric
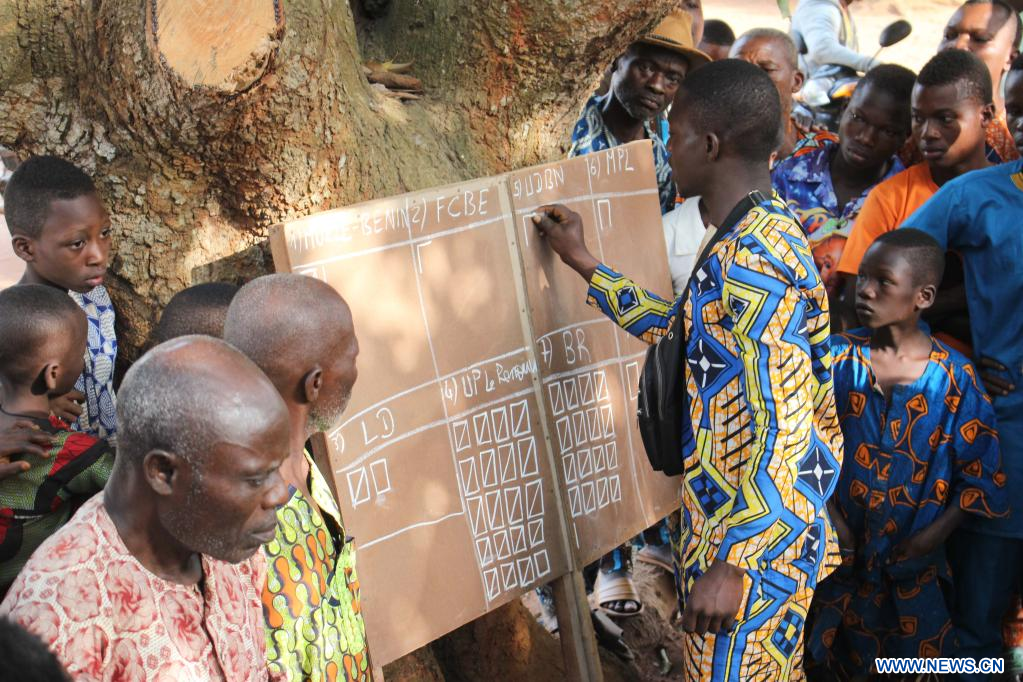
<point>1000,145</point>
<point>804,182</point>
<point>311,599</point>
<point>932,445</point>
<point>591,134</point>
<point>106,617</point>
<point>977,215</point>
<point>807,140</point>
<point>99,419</point>
<point>763,451</point>
<point>35,503</point>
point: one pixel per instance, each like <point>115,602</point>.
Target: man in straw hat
<point>644,78</point>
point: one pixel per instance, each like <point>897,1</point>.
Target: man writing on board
<point>766,446</point>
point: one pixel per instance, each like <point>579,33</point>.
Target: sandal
<point>657,555</point>
<point>613,588</point>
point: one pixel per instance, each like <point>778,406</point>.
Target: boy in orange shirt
<point>952,109</point>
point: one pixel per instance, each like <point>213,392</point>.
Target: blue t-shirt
<point>980,215</point>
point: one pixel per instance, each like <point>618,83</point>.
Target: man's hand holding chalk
<point>562,228</point>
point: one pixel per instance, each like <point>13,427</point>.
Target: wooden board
<point>590,368</point>
<point>447,463</point>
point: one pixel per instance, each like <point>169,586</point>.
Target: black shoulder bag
<point>664,421</point>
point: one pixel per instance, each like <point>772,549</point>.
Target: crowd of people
<point>850,321</point>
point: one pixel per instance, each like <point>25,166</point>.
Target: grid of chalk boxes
<point>500,477</point>
<point>503,494</point>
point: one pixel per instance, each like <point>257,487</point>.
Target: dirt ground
<point>927,16</point>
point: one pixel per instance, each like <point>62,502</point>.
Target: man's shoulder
<point>76,547</point>
<point>959,367</point>
<point>992,175</point>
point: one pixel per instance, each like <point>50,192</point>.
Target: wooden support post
<point>578,641</point>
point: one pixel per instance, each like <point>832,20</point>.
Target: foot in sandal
<point>657,555</point>
<point>616,593</point>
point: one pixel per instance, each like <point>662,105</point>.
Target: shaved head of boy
<point>199,309</point>
<point>898,278</point>
<point>42,341</point>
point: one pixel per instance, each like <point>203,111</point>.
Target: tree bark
<point>195,169</point>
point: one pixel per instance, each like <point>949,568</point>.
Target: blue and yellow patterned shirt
<point>764,451</point>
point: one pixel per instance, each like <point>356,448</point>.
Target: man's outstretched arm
<point>642,313</point>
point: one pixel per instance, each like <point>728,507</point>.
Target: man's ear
<point>925,297</point>
<point>987,114</point>
<point>162,470</point>
<point>712,145</point>
<point>24,247</point>
<point>797,81</point>
<point>312,384</point>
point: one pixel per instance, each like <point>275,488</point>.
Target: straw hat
<point>675,32</point>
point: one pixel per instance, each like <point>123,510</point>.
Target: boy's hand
<point>846,538</point>
<point>995,384</point>
<point>21,438</point>
<point>68,407</point>
<point>714,600</point>
<point>563,230</point>
<point>930,538</point>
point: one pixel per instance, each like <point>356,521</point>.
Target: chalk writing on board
<point>489,442</point>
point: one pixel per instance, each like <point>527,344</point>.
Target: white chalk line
<point>405,242</point>
<point>588,197</point>
<point>432,425</point>
<point>421,386</point>
<point>421,524</point>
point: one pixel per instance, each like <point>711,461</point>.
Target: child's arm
<point>846,538</point>
<point>930,538</point>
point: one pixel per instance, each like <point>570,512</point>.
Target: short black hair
<point>895,81</point>
<point>1010,13</point>
<point>925,256</point>
<point>199,309</point>
<point>959,68</point>
<point>784,39</point>
<point>26,658</point>
<point>739,103</point>
<point>31,317</point>
<point>37,183</point>
<point>718,32</point>
<point>1017,64</point>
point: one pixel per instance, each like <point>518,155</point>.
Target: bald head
<point>299,331</point>
<point>186,395</point>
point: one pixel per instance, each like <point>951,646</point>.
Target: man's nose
<point>929,130</point>
<point>657,83</point>
<point>277,495</point>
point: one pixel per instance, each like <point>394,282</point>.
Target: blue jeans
<point>986,573</point>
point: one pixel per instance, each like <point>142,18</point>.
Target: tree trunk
<point>204,122</point>
<point>198,148</point>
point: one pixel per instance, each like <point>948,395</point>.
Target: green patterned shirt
<point>314,621</point>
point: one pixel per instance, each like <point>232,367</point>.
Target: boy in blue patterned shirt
<point>61,229</point>
<point>921,456</point>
